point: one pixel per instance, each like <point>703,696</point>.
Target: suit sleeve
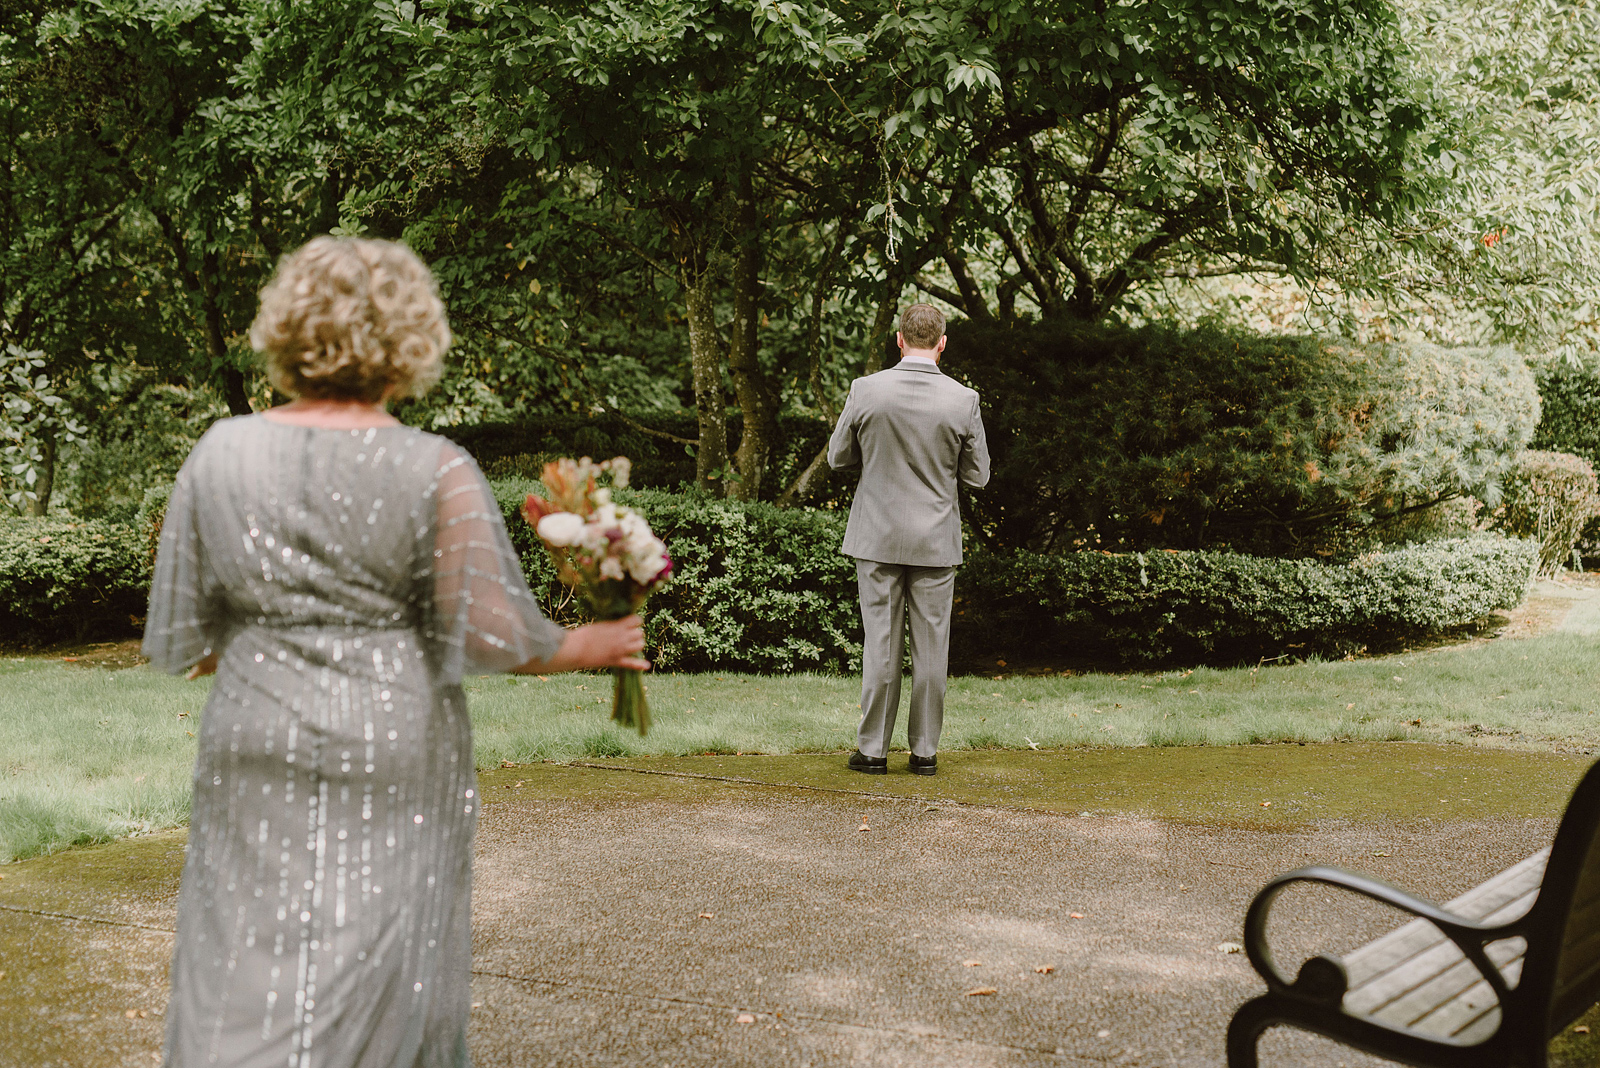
<point>974,467</point>
<point>844,451</point>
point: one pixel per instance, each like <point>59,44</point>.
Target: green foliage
<point>147,521</point>
<point>140,430</point>
<point>1189,606</point>
<point>761,589</point>
<point>1153,438</point>
<point>34,422</point>
<point>1569,418</point>
<point>1510,251</point>
<point>754,588</point>
<point>1549,497</point>
<point>70,579</point>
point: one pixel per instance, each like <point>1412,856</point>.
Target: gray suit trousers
<point>887,591</point>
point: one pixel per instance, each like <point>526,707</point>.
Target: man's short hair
<point>922,325</point>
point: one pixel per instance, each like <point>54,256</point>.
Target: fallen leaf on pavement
<point>863,827</point>
<point>1380,852</point>
<point>981,991</point>
<point>1045,969</point>
<point>745,1017</point>
<point>971,963</point>
<point>708,915</point>
<point>1229,947</point>
<point>1075,915</point>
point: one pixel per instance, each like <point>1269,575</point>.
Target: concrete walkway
<point>777,912</point>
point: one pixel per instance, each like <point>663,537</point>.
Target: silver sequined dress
<point>348,578</point>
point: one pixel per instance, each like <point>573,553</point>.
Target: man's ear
<point>940,347</point>
<point>899,339</point>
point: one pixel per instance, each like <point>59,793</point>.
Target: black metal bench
<point>1486,980</point>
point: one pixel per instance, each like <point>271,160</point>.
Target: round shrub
<point>1549,497</point>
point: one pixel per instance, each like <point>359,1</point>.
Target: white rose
<point>561,528</point>
<point>611,568</point>
<point>646,566</point>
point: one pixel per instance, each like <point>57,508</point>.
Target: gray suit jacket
<point>914,433</point>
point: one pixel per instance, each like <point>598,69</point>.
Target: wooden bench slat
<point>1486,902</point>
<point>1444,975</point>
<point>1412,960</point>
<point>1414,977</point>
<point>1450,1000</point>
<point>1476,1007</point>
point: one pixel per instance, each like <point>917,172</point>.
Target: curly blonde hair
<point>349,318</point>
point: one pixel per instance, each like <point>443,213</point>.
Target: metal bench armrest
<point>1318,983</point>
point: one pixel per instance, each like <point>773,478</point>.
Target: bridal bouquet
<point>604,552</point>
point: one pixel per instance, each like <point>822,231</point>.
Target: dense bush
<point>1282,446</point>
<point>1569,422</point>
<point>1550,497</point>
<point>1197,605</point>
<point>1569,418</point>
<point>759,588</point>
<point>64,578</point>
<point>764,589</point>
<point>754,587</point>
<point>519,450</point>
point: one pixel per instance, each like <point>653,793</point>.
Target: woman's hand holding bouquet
<point>605,552</point>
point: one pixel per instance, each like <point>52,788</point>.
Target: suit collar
<point>927,369</point>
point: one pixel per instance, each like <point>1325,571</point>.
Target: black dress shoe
<point>924,765</point>
<point>859,761</point>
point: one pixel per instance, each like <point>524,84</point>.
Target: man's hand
<point>205,667</point>
<point>597,645</point>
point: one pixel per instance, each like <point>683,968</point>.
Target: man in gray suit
<point>915,434</point>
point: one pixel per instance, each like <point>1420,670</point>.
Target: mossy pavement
<point>636,911</point>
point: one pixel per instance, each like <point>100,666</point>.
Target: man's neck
<point>928,356</point>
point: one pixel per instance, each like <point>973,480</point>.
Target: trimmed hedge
<point>65,578</point>
<point>755,588</point>
<point>1168,605</point>
<point>1569,416</point>
<point>762,589</point>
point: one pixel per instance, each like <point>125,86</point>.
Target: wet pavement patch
<point>1267,786</point>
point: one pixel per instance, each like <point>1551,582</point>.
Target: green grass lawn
<point>88,754</point>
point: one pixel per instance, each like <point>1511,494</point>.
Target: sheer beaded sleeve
<point>185,620</point>
<point>483,617</point>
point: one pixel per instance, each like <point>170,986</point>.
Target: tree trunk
<point>216,341</point>
<point>751,389</point>
<point>705,360</point>
<point>40,504</point>
<point>233,389</point>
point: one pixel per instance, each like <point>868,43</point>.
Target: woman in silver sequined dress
<point>339,572</point>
